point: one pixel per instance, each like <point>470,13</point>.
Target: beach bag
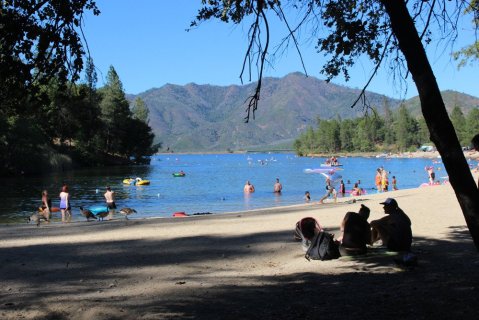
<point>323,247</point>
<point>306,228</point>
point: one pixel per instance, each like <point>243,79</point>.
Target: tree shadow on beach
<point>444,284</point>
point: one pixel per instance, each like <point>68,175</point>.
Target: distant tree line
<point>393,132</point>
<point>58,125</point>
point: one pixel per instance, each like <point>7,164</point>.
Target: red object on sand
<point>179,214</point>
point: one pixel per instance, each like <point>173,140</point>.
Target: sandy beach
<point>239,266</point>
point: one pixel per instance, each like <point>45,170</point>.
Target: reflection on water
<point>213,183</point>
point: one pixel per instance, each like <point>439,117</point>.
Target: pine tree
<point>140,110</point>
<point>115,113</point>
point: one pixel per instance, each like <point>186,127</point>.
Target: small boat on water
<point>331,162</point>
<point>136,181</point>
<point>331,165</point>
<point>179,174</point>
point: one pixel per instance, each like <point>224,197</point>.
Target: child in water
<point>307,196</point>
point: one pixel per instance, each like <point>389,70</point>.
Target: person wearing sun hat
<point>394,230</point>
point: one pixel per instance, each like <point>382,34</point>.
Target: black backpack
<point>323,247</point>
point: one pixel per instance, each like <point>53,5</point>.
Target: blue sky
<point>146,42</point>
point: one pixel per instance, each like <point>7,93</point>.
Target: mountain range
<point>202,118</point>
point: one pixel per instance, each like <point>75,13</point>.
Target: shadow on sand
<point>444,284</point>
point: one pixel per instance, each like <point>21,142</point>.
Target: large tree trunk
<point>441,130</point>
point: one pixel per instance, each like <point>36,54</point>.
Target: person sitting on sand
<point>248,187</point>
<point>355,232</point>
<point>394,229</point>
<point>277,186</point>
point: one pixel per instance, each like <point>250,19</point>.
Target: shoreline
<point>299,206</point>
<point>468,154</point>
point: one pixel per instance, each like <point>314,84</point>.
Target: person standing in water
<point>65,206</point>
<point>342,188</point>
<point>277,186</point>
<point>46,206</point>
<point>307,196</point>
<point>378,181</point>
<point>384,180</point>
<point>431,174</point>
<point>248,187</point>
<point>394,182</point>
<point>110,202</point>
<point>329,191</point>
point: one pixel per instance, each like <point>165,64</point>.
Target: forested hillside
<point>211,118</point>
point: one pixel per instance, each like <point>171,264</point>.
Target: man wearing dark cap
<point>394,229</point>
<point>356,232</point>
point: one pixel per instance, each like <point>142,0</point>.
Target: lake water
<point>213,183</point>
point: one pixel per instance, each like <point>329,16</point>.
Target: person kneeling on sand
<point>394,229</point>
<point>356,232</point>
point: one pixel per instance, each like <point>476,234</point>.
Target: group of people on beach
<point>382,180</point>
<point>392,231</point>
<point>46,209</point>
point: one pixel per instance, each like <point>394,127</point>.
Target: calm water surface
<point>213,183</point>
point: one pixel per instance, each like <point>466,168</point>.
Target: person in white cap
<point>394,229</point>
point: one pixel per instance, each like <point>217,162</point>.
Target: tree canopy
<point>44,109</point>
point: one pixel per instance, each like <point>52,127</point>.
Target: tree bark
<point>441,130</point>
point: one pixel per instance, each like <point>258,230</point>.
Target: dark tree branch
<point>254,99</point>
<point>362,95</point>
<point>291,34</point>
